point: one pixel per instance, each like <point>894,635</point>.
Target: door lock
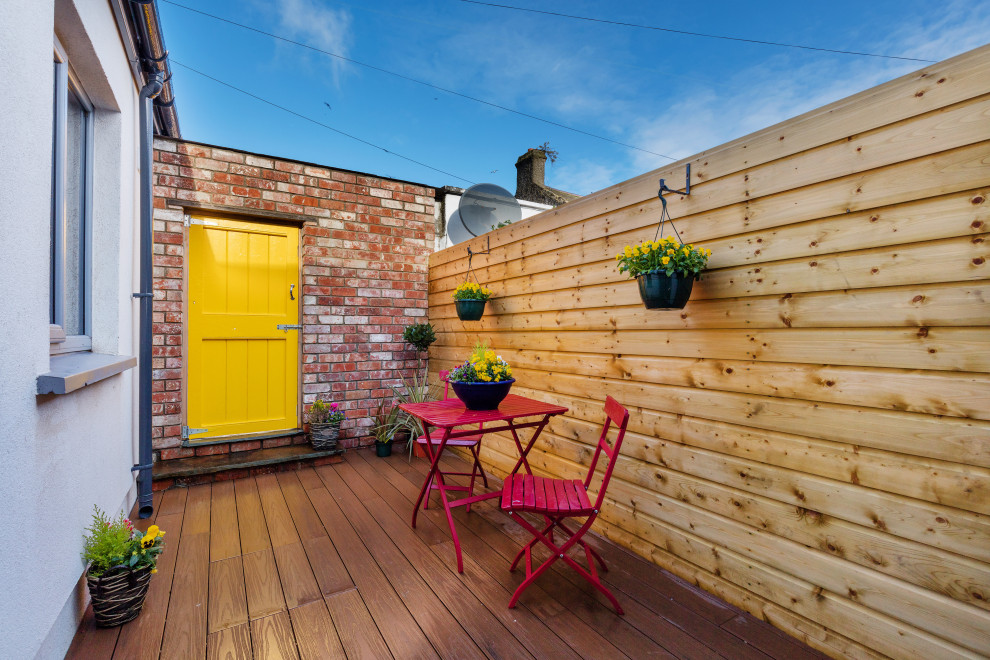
<point>287,327</point>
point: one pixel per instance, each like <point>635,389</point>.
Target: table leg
<point>524,452</point>
<point>434,469</point>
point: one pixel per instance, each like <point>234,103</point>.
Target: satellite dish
<point>485,205</point>
<point>456,230</point>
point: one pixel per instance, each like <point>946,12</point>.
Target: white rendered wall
<point>60,455</point>
<point>451,203</point>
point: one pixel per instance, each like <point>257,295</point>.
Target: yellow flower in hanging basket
<point>665,255</point>
<point>472,291</point>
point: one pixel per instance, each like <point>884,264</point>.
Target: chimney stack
<point>530,174</point>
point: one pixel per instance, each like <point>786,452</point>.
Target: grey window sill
<point>73,371</point>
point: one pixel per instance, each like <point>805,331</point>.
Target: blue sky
<point>665,93</point>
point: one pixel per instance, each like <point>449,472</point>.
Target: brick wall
<point>365,241</point>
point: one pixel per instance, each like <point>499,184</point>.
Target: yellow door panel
<point>243,370</point>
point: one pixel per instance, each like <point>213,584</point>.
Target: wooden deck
<point>323,563</point>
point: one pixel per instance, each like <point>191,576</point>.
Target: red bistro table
<point>448,414</point>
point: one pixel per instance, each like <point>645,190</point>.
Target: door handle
<point>291,287</point>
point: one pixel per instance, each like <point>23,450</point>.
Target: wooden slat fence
<point>810,436</point>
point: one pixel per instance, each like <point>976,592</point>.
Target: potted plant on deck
<point>665,269</point>
<point>324,425</point>
<point>483,380</point>
<point>120,561</point>
<point>470,299</point>
<point>383,427</point>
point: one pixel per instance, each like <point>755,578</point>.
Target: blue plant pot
<point>662,291</point>
<point>482,396</point>
<point>470,310</point>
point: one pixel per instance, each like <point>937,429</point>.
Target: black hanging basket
<point>324,437</point>
<point>662,291</point>
<point>470,310</point>
<point>118,595</point>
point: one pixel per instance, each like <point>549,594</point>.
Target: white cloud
<point>310,23</point>
<point>582,177</point>
<point>779,88</point>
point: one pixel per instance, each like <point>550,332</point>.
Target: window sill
<point>73,371</point>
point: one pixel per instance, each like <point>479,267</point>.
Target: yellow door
<point>242,369</point>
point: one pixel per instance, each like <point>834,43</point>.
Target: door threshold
<point>241,437</point>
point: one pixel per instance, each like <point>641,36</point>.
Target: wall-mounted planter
<point>662,291</point>
<point>470,310</point>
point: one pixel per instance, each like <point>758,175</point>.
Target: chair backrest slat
<point>614,414</point>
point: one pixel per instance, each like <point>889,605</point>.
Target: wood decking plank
<point>331,574</point>
<point>90,642</point>
<point>309,479</point>
<point>228,600</point>
<point>261,584</point>
<point>196,519</point>
<point>142,637</point>
<point>315,634</point>
<point>443,604</point>
<point>185,623</point>
<point>225,540</point>
<point>173,502</point>
<point>251,525</point>
<point>358,633</point>
<point>272,639</point>
<point>403,636</point>
<point>307,523</point>
<point>277,517</point>
<point>230,643</point>
<point>768,639</point>
<point>294,573</point>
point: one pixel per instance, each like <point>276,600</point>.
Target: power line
<point>314,121</point>
<point>692,34</point>
<point>417,81</point>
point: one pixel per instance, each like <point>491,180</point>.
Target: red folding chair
<point>559,499</point>
<point>472,442</point>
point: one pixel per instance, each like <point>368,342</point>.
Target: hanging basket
<point>470,310</point>
<point>324,437</point>
<point>118,595</point>
<point>482,396</point>
<point>662,291</point>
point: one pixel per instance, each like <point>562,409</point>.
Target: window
<point>72,185</point>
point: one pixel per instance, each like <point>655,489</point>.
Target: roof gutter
<point>145,32</point>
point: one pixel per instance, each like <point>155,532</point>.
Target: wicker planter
<point>324,437</point>
<point>662,291</point>
<point>482,396</point>
<point>470,310</point>
<point>383,449</point>
<point>118,595</point>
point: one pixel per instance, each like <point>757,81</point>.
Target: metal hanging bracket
<point>471,254</point>
<point>664,215</point>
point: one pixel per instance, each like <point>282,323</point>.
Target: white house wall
<point>60,454</point>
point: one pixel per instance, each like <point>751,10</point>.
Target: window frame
<point>64,80</point>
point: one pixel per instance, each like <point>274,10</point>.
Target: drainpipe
<point>152,89</point>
